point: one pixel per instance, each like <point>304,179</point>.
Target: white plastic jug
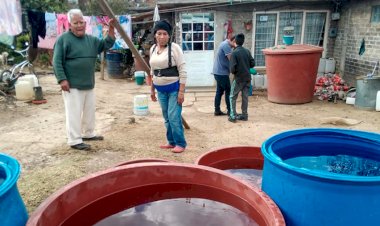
<point>378,101</point>
<point>330,65</point>
<point>322,65</point>
<point>33,79</point>
<point>24,90</point>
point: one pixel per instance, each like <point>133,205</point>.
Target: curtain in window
<point>265,35</point>
<point>291,19</point>
<point>314,29</point>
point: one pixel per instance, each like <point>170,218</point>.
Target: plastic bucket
<point>114,67</point>
<point>366,91</point>
<point>378,101</point>
<point>99,195</point>
<point>139,77</point>
<point>288,40</point>
<point>140,105</point>
<point>318,197</point>
<point>12,208</point>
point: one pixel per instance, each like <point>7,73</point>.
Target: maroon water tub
<point>291,73</point>
<point>82,202</point>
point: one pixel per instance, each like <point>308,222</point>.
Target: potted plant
<point>288,37</point>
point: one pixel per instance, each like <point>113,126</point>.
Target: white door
<point>197,40</point>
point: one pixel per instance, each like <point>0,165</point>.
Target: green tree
<point>46,5</point>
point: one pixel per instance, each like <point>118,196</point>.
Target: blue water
<point>180,212</point>
<point>338,164</point>
<point>1,181</point>
<point>252,176</point>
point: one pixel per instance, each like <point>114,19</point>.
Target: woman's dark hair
<point>162,25</point>
<point>239,39</point>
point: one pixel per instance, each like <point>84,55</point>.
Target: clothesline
<point>46,27</point>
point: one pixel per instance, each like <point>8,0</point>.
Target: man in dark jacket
<point>240,63</point>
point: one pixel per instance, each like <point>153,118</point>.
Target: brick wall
<point>354,25</point>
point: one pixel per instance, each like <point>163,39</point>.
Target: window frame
<point>373,8</point>
<point>192,32</point>
<point>279,42</point>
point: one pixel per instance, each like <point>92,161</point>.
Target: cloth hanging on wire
<point>362,47</point>
<point>38,23</point>
<point>10,19</point>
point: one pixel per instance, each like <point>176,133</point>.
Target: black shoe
<point>219,113</point>
<point>81,146</point>
<point>242,118</point>
<point>232,119</point>
<point>94,138</point>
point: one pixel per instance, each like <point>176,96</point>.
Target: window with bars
<point>375,14</point>
<point>291,19</point>
<point>266,35</point>
<point>197,31</point>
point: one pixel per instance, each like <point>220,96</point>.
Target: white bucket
<point>350,100</point>
<point>140,105</point>
<point>322,66</point>
<point>24,90</point>
<point>378,101</point>
<point>330,65</point>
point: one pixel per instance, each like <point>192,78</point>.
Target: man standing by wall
<point>74,59</point>
<point>221,73</point>
<point>241,62</point>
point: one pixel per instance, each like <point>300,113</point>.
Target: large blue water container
<point>12,208</point>
<point>114,65</point>
<point>313,197</point>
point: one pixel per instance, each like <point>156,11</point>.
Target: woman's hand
<point>181,97</point>
<point>153,96</point>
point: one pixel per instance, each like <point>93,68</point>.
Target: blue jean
<point>171,111</point>
<point>223,86</point>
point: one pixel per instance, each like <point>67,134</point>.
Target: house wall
<point>353,26</point>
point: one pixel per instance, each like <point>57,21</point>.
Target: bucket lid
<point>292,49</point>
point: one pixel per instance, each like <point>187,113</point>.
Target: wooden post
<point>102,63</point>
<point>108,11</point>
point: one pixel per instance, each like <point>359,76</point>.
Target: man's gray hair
<point>73,12</point>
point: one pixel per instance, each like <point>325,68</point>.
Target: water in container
<point>253,176</point>
<point>183,211</point>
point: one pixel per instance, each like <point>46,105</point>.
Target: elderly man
<point>74,59</point>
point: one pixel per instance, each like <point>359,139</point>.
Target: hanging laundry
<point>51,32</point>
<point>10,19</point>
<point>88,24</point>
<point>97,29</point>
<point>51,25</point>
<point>6,39</point>
<point>38,23</point>
<point>62,23</point>
<point>125,23</point>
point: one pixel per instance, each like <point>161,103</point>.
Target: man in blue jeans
<point>221,73</point>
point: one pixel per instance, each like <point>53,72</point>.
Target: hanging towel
<point>51,25</point>
<point>362,47</point>
<point>38,23</point>
<point>62,23</point>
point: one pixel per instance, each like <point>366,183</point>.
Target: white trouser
<point>80,114</point>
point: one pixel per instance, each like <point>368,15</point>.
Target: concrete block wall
<point>354,25</point>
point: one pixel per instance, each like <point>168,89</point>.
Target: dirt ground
<point>35,134</point>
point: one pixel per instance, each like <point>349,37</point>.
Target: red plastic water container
<point>291,72</point>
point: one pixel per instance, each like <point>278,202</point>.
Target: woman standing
<point>169,78</point>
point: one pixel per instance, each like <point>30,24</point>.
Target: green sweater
<point>74,59</point>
